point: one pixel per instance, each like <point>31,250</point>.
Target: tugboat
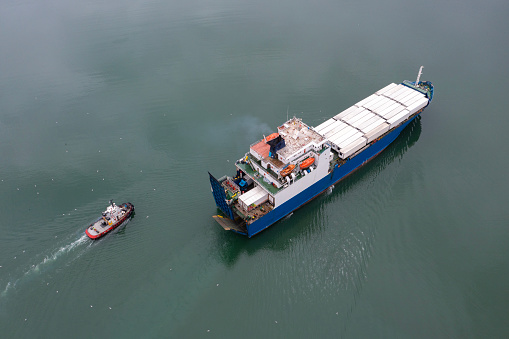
<point>113,217</point>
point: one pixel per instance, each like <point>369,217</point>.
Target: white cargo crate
<point>385,89</point>
<point>353,119</point>
<point>369,122</point>
<point>352,147</point>
<point>363,101</point>
<point>413,100</point>
<point>345,112</point>
<point>375,133</point>
<point>401,90</point>
<point>352,114</point>
<point>404,100</point>
<point>336,129</point>
<point>335,124</point>
<point>362,120</point>
<point>394,112</point>
<point>385,105</point>
<point>343,136</point>
<point>347,129</point>
<point>324,124</point>
<point>418,105</point>
<point>382,103</point>
<point>255,196</point>
<point>373,102</point>
<point>388,109</point>
<point>399,118</point>
<point>373,125</point>
<point>393,90</point>
<point>349,140</point>
<point>403,93</point>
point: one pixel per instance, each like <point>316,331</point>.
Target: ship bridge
<point>299,139</point>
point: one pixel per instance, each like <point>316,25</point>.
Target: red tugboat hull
<point>102,227</point>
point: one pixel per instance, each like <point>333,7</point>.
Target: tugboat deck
<point>113,217</point>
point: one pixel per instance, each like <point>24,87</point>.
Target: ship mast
<point>419,76</point>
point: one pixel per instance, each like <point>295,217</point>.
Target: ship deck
<point>98,227</point>
<point>246,168</point>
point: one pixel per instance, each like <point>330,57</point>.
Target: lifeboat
<point>113,217</point>
<point>306,163</point>
<point>287,170</point>
<point>271,136</point>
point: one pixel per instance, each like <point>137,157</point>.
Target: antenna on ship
<point>419,76</point>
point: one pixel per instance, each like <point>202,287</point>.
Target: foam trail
<point>45,262</point>
<point>62,250</point>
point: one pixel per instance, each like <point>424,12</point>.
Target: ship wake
<point>49,258</point>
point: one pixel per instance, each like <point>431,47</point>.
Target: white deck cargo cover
<point>418,105</point>
<point>374,102</point>
<point>345,112</point>
<point>394,112</point>
<point>409,97</point>
<point>353,147</point>
<point>324,124</point>
<point>363,101</point>
<point>398,118</point>
<point>337,127</point>
<point>372,126</point>
<point>349,140</point>
<point>341,129</point>
<point>407,91</point>
<point>352,119</point>
<point>375,133</point>
<point>255,196</point>
<point>396,95</point>
<point>385,89</point>
<point>393,90</point>
<point>353,114</point>
<point>382,105</point>
<point>387,109</point>
<point>342,137</point>
<point>388,103</point>
<point>325,130</point>
<point>411,101</point>
<point>362,120</point>
<point>400,90</point>
<point>369,122</point>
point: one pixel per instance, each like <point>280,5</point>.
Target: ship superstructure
<point>286,169</point>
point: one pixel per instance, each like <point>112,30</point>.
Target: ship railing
<point>232,183</point>
<point>258,165</point>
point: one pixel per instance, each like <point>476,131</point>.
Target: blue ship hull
<point>320,186</point>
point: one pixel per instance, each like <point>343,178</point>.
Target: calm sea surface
<point>137,100</point>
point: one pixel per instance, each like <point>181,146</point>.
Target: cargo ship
<point>286,169</point>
